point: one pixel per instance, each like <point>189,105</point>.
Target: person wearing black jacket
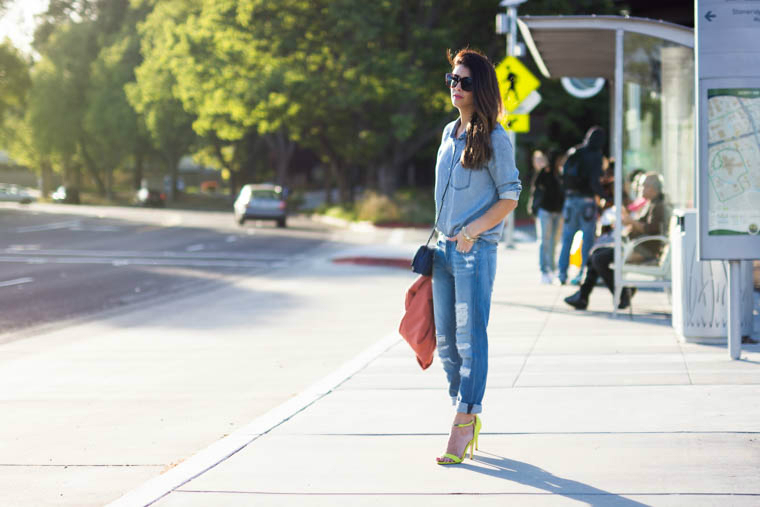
<point>581,175</point>
<point>546,205</point>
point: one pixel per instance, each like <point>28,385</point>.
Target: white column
<point>618,149</point>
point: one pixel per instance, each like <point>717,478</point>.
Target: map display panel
<point>733,161</point>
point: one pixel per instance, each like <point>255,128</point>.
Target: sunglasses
<point>452,80</point>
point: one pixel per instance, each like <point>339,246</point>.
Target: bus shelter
<point>649,66</point>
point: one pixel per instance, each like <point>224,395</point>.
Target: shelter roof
<point>584,46</point>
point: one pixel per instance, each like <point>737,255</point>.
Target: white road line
<point>194,248</point>
<point>17,281</point>
<point>116,261</point>
<point>94,228</point>
<point>49,227</point>
<point>146,254</point>
<point>23,247</point>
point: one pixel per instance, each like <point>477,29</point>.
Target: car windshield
<point>265,194</point>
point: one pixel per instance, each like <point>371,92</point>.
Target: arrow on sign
<point>710,16</point>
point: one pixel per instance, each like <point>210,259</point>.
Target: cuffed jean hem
<point>467,408</point>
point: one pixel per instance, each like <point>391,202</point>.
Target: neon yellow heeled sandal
<point>472,444</point>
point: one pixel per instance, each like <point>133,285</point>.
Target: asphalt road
<point>193,327</point>
<point>59,262</point>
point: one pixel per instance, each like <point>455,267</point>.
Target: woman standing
<point>477,186</point>
<point>547,200</point>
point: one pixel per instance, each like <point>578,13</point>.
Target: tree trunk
<point>282,149</point>
<point>93,170</point>
<point>76,177</point>
<point>46,177</point>
<point>389,173</point>
<point>174,172</point>
<point>341,179</point>
<point>109,184</point>
<point>234,183</point>
<point>386,179</point>
<point>139,169</point>
<point>329,185</point>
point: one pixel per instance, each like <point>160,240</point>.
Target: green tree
<point>117,131</point>
<point>14,82</point>
<point>359,83</point>
<point>152,94</point>
<point>58,99</point>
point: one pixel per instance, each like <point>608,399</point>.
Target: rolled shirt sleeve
<point>502,166</point>
<point>472,192</point>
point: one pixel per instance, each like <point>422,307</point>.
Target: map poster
<point>733,161</point>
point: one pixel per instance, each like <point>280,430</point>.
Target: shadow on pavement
<point>655,317</point>
<point>535,477</point>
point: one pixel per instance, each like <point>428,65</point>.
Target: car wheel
<point>281,223</point>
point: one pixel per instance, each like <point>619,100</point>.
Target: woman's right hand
<point>463,246</point>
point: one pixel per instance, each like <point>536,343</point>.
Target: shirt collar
<point>454,131</point>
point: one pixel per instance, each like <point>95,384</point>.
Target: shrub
<point>346,212</point>
<point>377,208</point>
<point>417,206</point>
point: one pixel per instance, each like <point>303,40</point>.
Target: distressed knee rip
<point>462,314</point>
<point>464,372</point>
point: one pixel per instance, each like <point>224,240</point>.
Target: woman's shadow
<point>523,473</point>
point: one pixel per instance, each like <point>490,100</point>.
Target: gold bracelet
<point>467,237</point>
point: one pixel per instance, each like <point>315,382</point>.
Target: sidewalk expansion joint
<point>466,493</point>
<point>208,458</point>
<point>538,337</point>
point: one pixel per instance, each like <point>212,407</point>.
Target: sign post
<point>516,83</point>
<point>728,114</point>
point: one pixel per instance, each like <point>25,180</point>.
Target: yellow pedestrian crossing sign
<point>515,81</point>
<point>516,122</point>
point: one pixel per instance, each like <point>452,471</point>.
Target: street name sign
<point>515,81</point>
<point>728,113</point>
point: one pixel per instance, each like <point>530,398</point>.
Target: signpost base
<point>734,309</point>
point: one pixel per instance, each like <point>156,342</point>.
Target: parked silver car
<point>14,193</point>
<point>262,202</point>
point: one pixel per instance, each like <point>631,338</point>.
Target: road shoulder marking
<point>17,281</point>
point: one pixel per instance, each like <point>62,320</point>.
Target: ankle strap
<point>465,425</point>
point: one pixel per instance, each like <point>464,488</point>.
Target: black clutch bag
<point>422,264</point>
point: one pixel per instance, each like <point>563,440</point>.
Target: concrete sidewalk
<point>581,409</point>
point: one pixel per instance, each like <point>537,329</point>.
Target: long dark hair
<point>488,107</point>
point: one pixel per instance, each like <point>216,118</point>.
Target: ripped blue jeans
<point>462,285</point>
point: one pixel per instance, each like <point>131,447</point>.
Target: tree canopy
<point>358,84</point>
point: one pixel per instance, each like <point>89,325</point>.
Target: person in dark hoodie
<point>580,176</point>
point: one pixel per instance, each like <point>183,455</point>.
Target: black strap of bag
<point>422,263</point>
<point>438,215</point>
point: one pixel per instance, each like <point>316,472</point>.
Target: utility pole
<point>507,23</point>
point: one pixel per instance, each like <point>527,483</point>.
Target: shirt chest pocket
<point>461,177</point>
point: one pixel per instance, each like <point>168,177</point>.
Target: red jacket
<point>417,326</point>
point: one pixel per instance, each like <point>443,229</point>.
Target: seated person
<point>634,186</point>
<point>651,222</point>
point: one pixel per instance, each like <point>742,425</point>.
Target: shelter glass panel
<point>658,114</point>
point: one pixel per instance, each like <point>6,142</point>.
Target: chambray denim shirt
<point>473,191</point>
